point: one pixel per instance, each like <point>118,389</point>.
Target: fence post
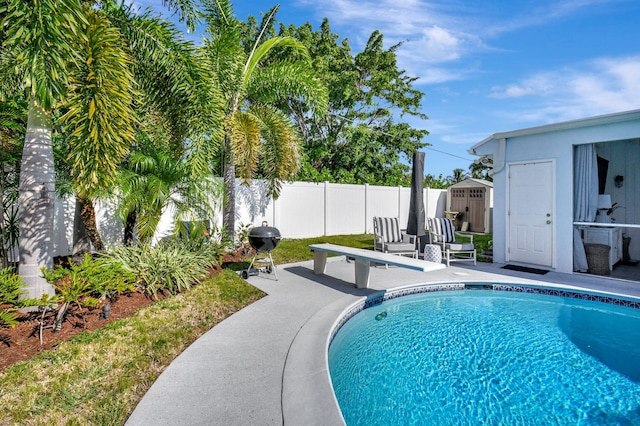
<point>366,206</point>
<point>325,206</point>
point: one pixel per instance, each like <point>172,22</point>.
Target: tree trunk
<point>62,311</point>
<point>81,241</point>
<point>130,227</point>
<point>229,202</point>
<point>88,215</point>
<point>36,203</point>
<point>4,240</point>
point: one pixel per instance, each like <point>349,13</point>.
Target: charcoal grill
<point>264,239</point>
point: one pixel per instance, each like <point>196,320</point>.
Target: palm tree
<point>255,131</point>
<point>458,176</point>
<point>38,43</point>
<point>152,181</point>
<point>65,53</point>
<point>173,95</point>
<point>480,169</point>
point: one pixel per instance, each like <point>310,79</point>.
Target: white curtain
<point>585,197</point>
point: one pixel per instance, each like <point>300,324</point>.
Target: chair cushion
<point>399,247</point>
<point>459,246</point>
<point>388,228</point>
<point>442,226</point>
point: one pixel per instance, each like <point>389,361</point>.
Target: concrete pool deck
<point>266,364</point>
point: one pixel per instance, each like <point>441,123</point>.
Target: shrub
<point>170,266</point>
<point>11,286</point>
<point>87,284</point>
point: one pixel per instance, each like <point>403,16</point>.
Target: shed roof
<point>566,125</point>
<point>472,183</point>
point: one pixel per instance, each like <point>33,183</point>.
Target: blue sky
<point>491,65</point>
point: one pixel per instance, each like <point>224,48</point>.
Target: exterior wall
<point>527,146</point>
<point>538,148</point>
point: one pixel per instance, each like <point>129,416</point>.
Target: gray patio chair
<point>443,233</point>
<point>389,238</point>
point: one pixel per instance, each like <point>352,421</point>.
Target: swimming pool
<point>488,357</point>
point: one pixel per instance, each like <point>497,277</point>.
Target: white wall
<point>303,210</point>
<point>522,146</point>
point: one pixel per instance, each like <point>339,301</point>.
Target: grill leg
<point>273,266</point>
<point>264,263</point>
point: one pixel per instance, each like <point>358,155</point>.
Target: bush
<point>171,266</point>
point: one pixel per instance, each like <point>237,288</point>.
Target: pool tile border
<point>378,298</point>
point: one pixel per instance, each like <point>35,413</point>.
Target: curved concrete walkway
<point>267,365</point>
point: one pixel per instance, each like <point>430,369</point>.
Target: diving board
<point>363,259</point>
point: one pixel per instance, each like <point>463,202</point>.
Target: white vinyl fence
<point>303,210</point>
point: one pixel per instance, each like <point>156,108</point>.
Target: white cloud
<point>442,33</point>
<point>600,86</point>
<point>431,31</point>
<point>540,84</point>
<point>441,44</point>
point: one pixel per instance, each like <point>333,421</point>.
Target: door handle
<point>548,222</point>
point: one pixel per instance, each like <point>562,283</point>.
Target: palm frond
<point>289,80</point>
<point>243,129</point>
<point>100,116</point>
<point>169,75</point>
<point>224,58</point>
<point>219,14</point>
<point>262,51</point>
<point>187,11</point>
<point>40,39</point>
<point>280,149</point>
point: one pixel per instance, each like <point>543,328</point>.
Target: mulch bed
<point>22,342</point>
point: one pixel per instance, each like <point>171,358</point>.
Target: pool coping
<point>307,388</point>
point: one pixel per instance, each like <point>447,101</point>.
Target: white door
<point>530,213</point>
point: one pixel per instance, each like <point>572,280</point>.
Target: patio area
<point>267,363</point>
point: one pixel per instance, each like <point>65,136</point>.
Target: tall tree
<point>40,40</point>
<point>360,140</point>
<point>255,131</point>
<point>64,50</point>
<point>180,116</point>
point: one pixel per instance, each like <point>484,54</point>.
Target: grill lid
<point>264,231</point>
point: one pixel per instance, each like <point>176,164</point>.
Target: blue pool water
<point>488,357</point>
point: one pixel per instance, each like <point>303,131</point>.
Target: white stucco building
<point>547,181</point>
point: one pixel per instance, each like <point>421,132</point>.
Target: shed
<point>472,199</point>
<point>548,183</point>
